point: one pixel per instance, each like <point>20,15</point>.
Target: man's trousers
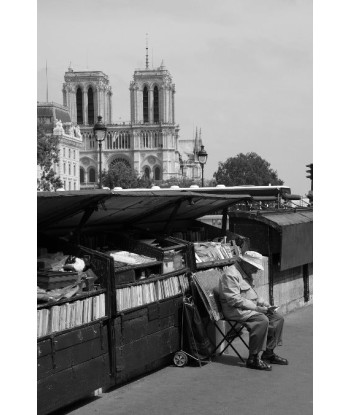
<point>265,331</point>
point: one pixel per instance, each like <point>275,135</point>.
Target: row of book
<point>212,251</point>
<point>69,315</point>
<point>141,294</point>
<point>193,235</point>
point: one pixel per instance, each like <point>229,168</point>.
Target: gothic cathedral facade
<point>149,142</point>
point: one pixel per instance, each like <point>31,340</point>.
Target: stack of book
<point>69,315</point>
<point>141,294</point>
<point>212,251</point>
<point>130,258</point>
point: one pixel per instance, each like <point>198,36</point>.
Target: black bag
<point>196,340</point>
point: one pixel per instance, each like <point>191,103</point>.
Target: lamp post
<point>202,158</point>
<point>100,132</point>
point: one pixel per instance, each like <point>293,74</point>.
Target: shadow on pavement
<point>229,360</point>
<point>76,405</point>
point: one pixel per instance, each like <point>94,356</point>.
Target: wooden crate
<point>146,338</point>
<point>72,365</point>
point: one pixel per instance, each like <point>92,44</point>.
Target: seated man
<point>240,302</point>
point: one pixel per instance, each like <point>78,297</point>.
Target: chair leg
<point>238,332</point>
<point>229,342</point>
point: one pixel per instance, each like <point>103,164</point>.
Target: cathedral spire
<point>196,143</point>
<point>200,138</point>
<point>146,50</point>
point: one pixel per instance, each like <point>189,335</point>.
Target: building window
<point>119,160</point>
<point>64,168</point>
<point>64,151</point>
<point>74,169</point>
<point>109,140</point>
<point>145,104</point>
<point>91,141</point>
<point>157,173</point>
<point>75,187</point>
<point>145,140</point>
<point>79,99</point>
<point>147,172</point>
<point>69,186</point>
<point>74,154</point>
<point>156,105</point>
<point>69,168</point>
<point>91,114</point>
<point>65,185</point>
<point>82,175</point>
<point>69,153</point>
<point>92,176</point>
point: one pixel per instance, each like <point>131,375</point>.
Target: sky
<point>242,68</point>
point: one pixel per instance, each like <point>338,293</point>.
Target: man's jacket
<point>238,298</point>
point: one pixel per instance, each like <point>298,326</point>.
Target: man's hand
<point>261,309</point>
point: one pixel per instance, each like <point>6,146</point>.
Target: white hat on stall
<point>253,258</point>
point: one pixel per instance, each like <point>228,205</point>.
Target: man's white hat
<point>253,258</point>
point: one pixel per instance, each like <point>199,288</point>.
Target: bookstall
<point>285,237</point>
<point>117,317</point>
<point>73,316</point>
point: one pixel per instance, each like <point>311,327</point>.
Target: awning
<point>294,228</point>
<point>65,212</point>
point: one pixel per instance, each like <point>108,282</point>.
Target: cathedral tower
<point>87,94</point>
<point>152,96</point>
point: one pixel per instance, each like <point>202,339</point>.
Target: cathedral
<point>149,142</point>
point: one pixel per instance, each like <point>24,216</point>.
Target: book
<point>73,314</point>
<point>94,308</point>
<point>79,313</point>
<point>103,305</point>
<point>39,326</point>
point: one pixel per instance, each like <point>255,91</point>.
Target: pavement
<point>222,386</point>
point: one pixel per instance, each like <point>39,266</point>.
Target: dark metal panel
<point>296,246</point>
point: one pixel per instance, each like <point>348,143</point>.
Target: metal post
<point>202,165</point>
<point>100,150</point>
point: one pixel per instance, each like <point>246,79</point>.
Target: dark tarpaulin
<point>65,211</point>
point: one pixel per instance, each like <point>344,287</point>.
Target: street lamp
<point>202,158</point>
<point>100,132</point>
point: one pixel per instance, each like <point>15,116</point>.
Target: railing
<point>89,185</point>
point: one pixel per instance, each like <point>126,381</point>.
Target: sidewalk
<point>223,386</point>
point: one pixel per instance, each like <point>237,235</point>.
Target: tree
<point>47,155</point>
<point>122,175</point>
<point>246,169</point>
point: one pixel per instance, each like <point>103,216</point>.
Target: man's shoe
<point>256,363</point>
<point>273,358</point>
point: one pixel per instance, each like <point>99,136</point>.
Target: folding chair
<point>207,285</point>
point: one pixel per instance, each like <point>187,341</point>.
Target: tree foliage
<point>47,155</point>
<point>121,175</point>
<point>246,169</point>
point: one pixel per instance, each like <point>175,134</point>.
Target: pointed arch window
<point>79,99</point>
<point>145,104</point>
<point>92,176</point>
<point>82,175</point>
<point>91,113</point>
<point>156,104</point>
<point>147,172</point>
<point>157,173</point>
